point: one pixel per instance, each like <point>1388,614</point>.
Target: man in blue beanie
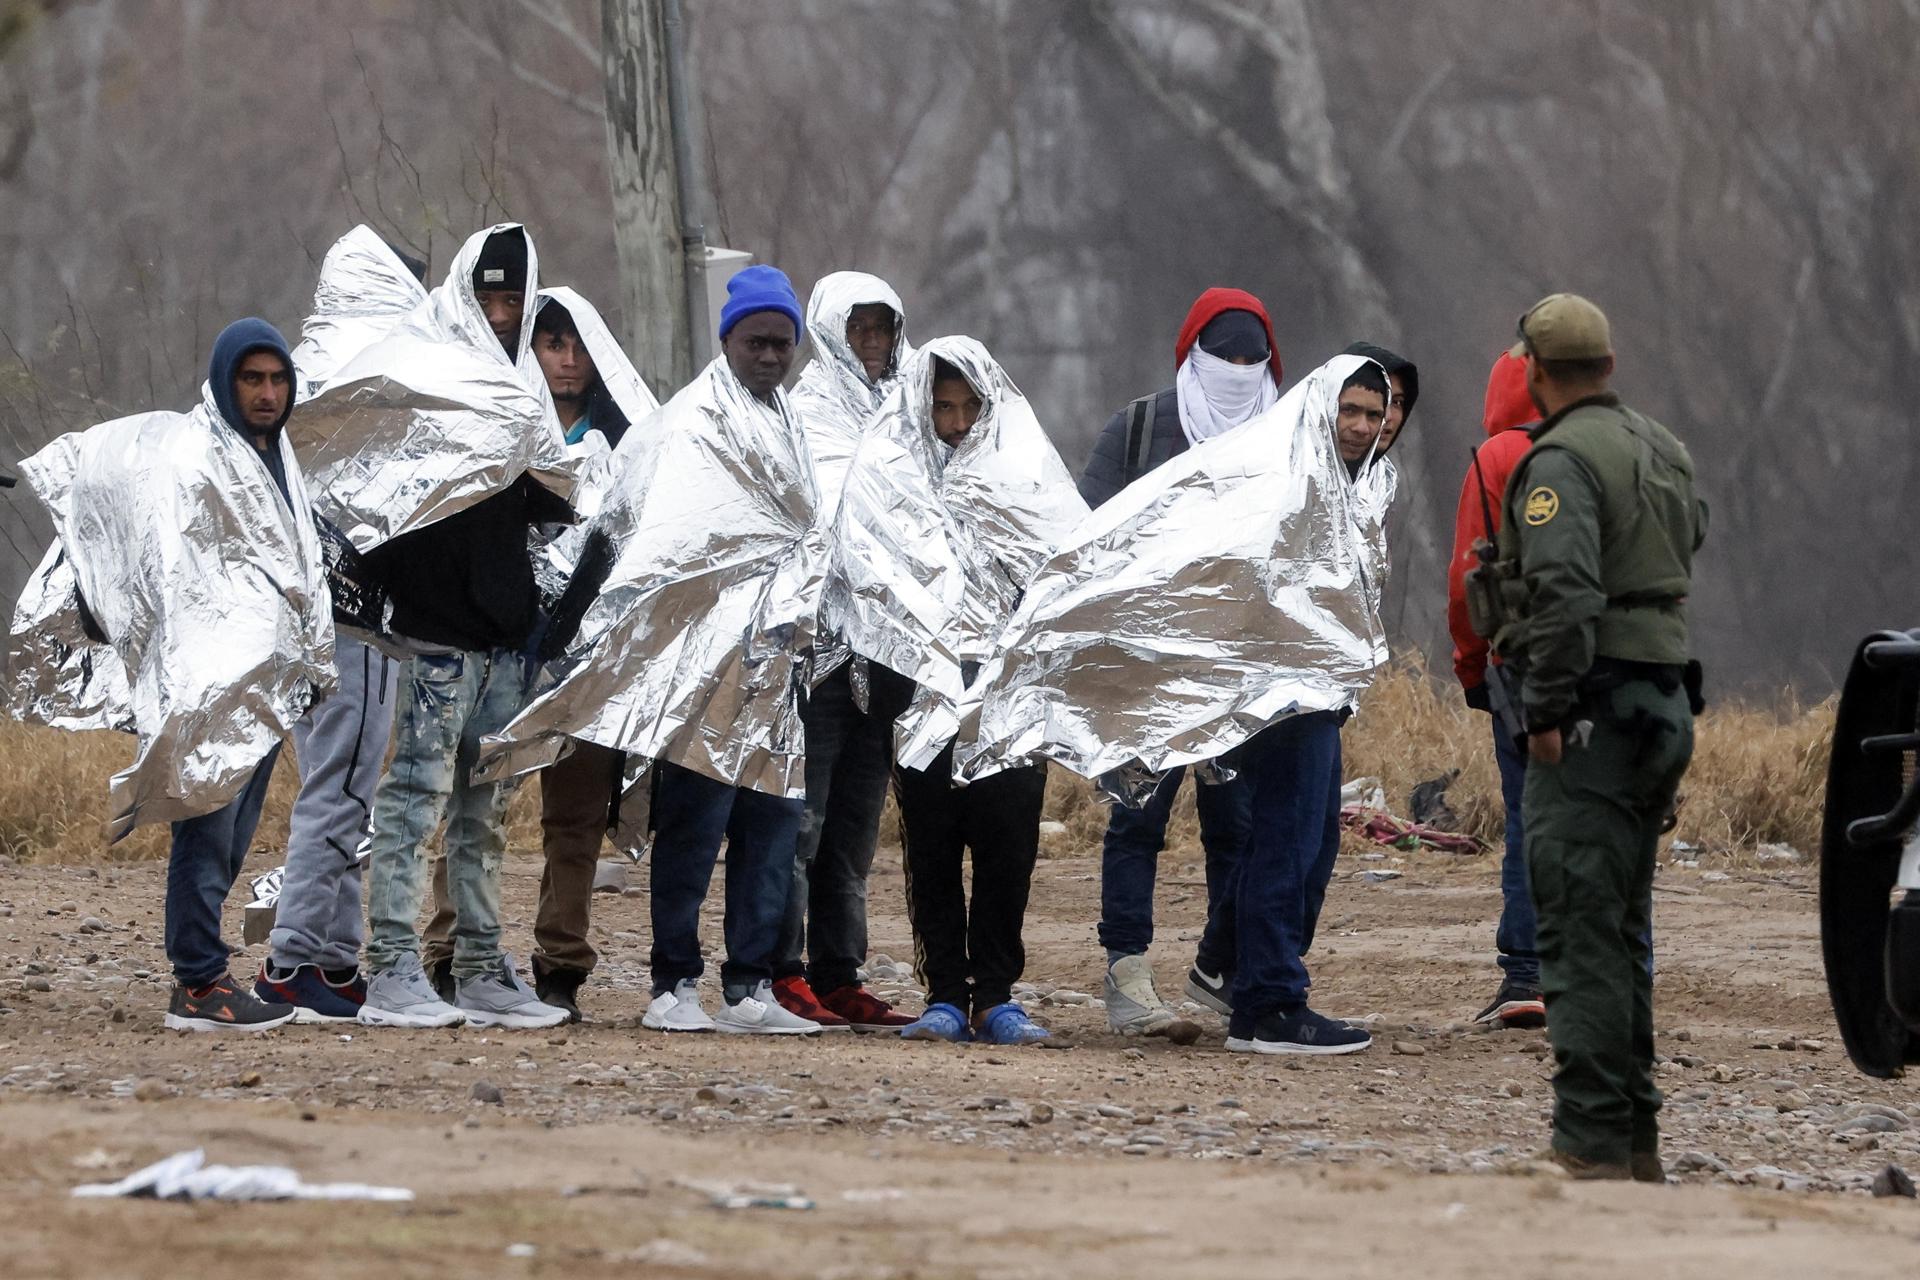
<point>760,329</point>
<point>693,811</point>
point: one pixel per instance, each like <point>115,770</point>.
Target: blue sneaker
<point>306,988</point>
<point>1008,1024</point>
<point>939,1022</point>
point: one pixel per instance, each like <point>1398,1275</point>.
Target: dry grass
<point>53,799</point>
<point>1758,777</point>
<point>1758,774</point>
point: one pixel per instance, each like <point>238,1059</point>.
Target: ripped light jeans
<point>447,703</point>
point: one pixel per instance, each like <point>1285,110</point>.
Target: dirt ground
<point>1105,1158</point>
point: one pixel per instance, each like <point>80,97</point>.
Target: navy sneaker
<point>350,983</point>
<point>1302,1031</point>
<point>306,988</point>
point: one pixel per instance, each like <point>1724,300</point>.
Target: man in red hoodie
<point>1226,372</point>
<point>1508,417</point>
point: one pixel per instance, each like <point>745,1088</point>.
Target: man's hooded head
<point>252,378</point>
<point>858,325</point>
<point>570,373</point>
<point>1361,416</point>
<point>1215,304</point>
<point>500,285</point>
<point>1508,404</point>
<point>1405,377</point>
<point>1227,369</point>
<point>956,403</point>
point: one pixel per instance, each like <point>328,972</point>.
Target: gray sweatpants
<point>341,745</point>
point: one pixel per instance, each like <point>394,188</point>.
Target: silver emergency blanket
<point>209,588</point>
<point>1374,491</point>
<point>692,652</point>
<point>932,544</point>
<point>834,398</point>
<point>364,290</point>
<point>58,676</point>
<point>559,549</point>
<point>1221,592</point>
<point>428,416</point>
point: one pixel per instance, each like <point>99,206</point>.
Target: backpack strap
<point>1139,438</point>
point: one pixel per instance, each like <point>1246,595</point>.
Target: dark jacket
<point>1602,520</point>
<point>467,581</point>
<point>236,342</point>
<point>1106,472</point>
<point>604,416</point>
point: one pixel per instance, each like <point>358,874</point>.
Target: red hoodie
<point>1212,303</point>
<point>1508,412</point>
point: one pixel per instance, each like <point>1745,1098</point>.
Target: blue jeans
<point>1130,855</point>
<point>1292,773</point>
<point>207,855</point>
<point>849,760</point>
<point>447,703</point>
<point>1519,952</point>
<point>692,813</point>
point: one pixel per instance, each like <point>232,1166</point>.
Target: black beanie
<point>1235,335</point>
<point>503,262</point>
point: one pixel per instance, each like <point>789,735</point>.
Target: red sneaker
<point>864,1011</point>
<point>797,998</point>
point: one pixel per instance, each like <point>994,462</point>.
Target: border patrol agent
<point>1595,560</point>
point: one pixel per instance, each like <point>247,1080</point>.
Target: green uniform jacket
<point>1602,521</point>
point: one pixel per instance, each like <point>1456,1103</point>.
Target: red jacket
<point>1508,414</point>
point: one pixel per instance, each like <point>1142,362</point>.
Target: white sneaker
<point>677,1010</point>
<point>761,1015</point>
<point>1134,1007</point>
<point>402,997</point>
<point>503,999</point>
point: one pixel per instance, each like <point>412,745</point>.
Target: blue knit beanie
<point>760,289</point>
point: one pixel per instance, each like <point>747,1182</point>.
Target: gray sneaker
<point>1134,1007</point>
<point>402,997</point>
<point>502,999</point>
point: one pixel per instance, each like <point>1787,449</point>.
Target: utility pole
<point>657,226</point>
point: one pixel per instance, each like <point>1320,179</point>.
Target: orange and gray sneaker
<point>1515,1006</point>
<point>797,998</point>
<point>865,1011</point>
<point>223,1006</point>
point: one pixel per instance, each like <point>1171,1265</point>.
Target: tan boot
<point>1581,1169</point>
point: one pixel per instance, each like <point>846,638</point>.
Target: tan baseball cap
<point>1564,326</point>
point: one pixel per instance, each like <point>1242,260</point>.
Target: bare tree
<point>647,217</point>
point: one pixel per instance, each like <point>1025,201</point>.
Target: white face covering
<point>1218,395</point>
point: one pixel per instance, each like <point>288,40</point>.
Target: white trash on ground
<point>188,1176</point>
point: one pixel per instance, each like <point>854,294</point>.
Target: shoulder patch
<point>1543,504</point>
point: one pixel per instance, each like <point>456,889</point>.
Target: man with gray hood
<point>858,327</point>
